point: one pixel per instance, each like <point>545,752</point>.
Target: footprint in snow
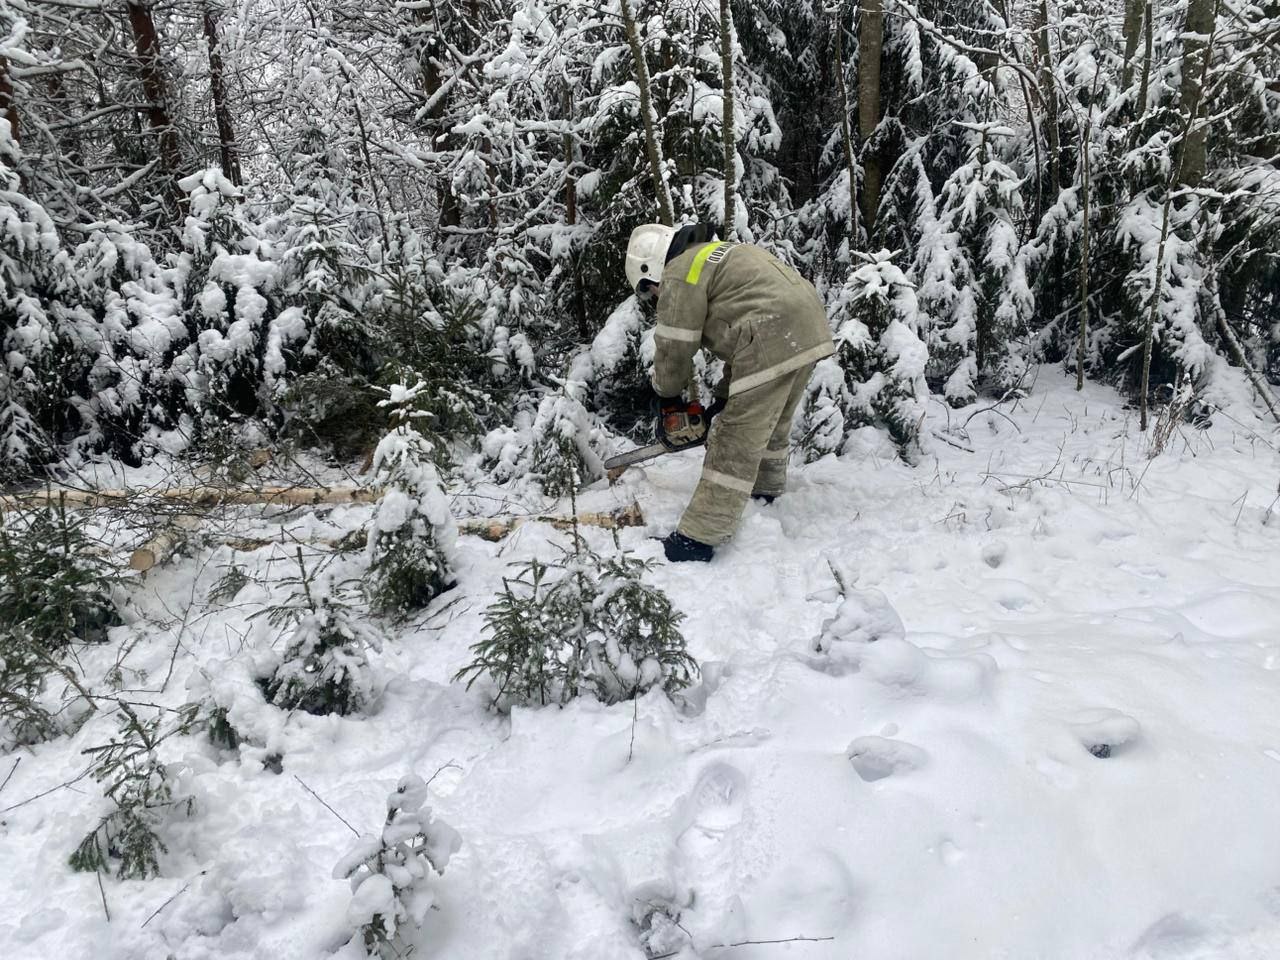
<point>1173,935</point>
<point>994,553</point>
<point>715,805</point>
<point>1105,732</point>
<point>875,758</point>
<point>706,849</point>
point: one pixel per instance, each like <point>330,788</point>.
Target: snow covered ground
<point>932,794</point>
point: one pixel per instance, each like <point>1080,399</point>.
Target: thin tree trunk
<point>156,90</point>
<point>726,120</point>
<point>1195,59</point>
<point>1050,94</point>
<point>1146,62</point>
<point>1084,250</point>
<point>366,157</point>
<point>227,148</point>
<point>450,212</point>
<point>1132,31</point>
<point>1237,354</point>
<point>1148,327</point>
<point>8,103</point>
<point>1034,222</point>
<point>653,148</point>
<point>846,134</point>
<point>870,46</point>
<point>571,217</point>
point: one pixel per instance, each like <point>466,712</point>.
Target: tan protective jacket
<point>744,305</point>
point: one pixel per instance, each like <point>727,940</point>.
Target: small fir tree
<point>325,667</point>
<point>141,789</point>
<point>410,546</point>
<point>879,348</point>
<point>393,874</point>
<point>54,593</point>
<point>583,623</point>
<point>822,428</point>
<point>50,579</point>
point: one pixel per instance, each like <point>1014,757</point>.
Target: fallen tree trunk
<point>493,529</point>
<point>194,496</point>
<point>164,543</point>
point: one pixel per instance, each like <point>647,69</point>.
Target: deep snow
<point>931,794</point>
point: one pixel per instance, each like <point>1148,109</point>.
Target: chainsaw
<point>683,427</point>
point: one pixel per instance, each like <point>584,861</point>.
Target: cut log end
<point>143,559</point>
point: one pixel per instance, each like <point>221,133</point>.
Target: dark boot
<point>679,548</point>
<point>765,498</point>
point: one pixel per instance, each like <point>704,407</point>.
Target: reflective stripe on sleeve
<point>678,333</point>
<point>724,480</point>
<point>812,355</point>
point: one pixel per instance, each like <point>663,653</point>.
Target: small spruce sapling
<point>822,428</point>
<point>393,874</point>
<point>51,581</point>
<point>141,788</point>
<point>410,545</point>
<point>53,593</point>
<point>325,668</point>
<point>878,344</point>
<point>583,623</point>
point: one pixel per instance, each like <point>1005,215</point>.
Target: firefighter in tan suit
<point>768,325</point>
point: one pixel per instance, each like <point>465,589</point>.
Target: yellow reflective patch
<point>699,259</point>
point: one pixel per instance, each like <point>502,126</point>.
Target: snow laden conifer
<point>393,874</point>
<point>553,447</point>
<point>878,347</point>
<point>822,425</point>
<point>583,623</point>
<point>411,538</point>
<point>325,666</point>
<point>228,284</point>
<point>38,368</point>
<point>324,272</point>
<point>973,259</point>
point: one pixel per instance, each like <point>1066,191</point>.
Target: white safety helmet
<point>647,252</point>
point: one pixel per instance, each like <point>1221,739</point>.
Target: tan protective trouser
<point>747,453</point>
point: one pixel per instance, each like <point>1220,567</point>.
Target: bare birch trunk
<point>870,46</point>
<point>653,147</point>
<point>227,147</point>
<point>726,120</point>
<point>193,496</point>
<point>156,550</point>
